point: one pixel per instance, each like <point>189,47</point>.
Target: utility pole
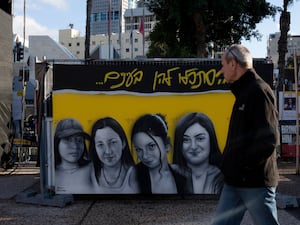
<point>108,28</point>
<point>131,32</point>
<point>297,111</point>
<point>23,77</point>
<point>120,27</point>
<point>143,24</point>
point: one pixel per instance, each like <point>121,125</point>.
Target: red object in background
<point>288,150</point>
<point>141,28</point>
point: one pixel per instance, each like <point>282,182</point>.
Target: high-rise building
<point>107,16</point>
<point>129,44</point>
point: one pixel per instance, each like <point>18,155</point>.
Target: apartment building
<point>293,46</point>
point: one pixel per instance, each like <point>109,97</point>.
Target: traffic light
<point>20,53</point>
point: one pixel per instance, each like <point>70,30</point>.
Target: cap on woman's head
<point>69,127</point>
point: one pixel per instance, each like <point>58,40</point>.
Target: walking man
<point>249,159</point>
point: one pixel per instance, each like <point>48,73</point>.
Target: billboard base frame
<point>60,200</point>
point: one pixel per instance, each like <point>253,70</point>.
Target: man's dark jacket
<point>249,157</point>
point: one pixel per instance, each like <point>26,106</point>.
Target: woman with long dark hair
<point>197,154</point>
<point>151,142</point>
<point>114,171</point>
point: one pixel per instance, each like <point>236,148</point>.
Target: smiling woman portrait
<point>197,154</point>
<point>114,170</point>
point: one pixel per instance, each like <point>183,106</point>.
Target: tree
<point>185,28</point>
<point>282,42</point>
<point>87,30</point>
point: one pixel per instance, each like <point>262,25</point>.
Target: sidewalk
<point>119,210</point>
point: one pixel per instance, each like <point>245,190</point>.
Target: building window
<point>78,43</point>
<point>115,15</point>
<point>95,17</point>
<point>136,40</point>
<point>78,52</point>
<point>127,49</point>
<point>136,49</point>
<point>103,16</point>
<point>70,44</point>
<point>128,27</point>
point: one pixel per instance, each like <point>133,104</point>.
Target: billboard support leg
<point>47,194</point>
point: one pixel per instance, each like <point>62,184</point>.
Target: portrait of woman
<point>114,170</point>
<point>151,142</point>
<point>72,164</point>
<point>197,154</point>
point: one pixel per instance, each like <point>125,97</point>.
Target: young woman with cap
<point>72,166</point>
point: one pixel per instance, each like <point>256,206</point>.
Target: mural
<point>140,127</point>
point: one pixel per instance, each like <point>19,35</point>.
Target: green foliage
<point>186,26</point>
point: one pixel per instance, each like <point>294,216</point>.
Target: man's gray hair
<point>240,54</point>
